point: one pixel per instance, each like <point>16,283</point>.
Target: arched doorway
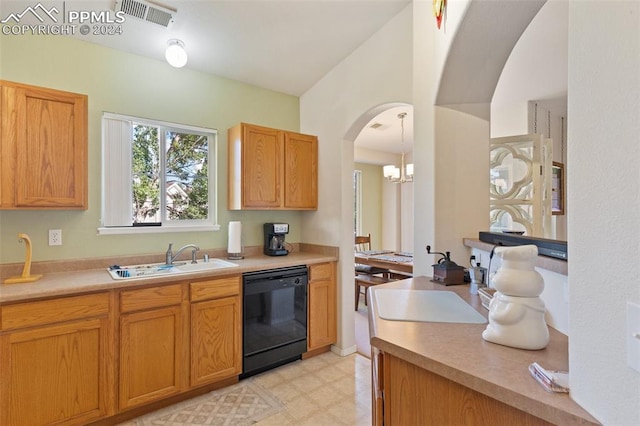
<point>381,207</point>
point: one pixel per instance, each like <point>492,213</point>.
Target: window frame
<point>116,167</point>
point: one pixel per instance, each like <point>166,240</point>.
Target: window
<point>157,176</point>
<point>357,202</point>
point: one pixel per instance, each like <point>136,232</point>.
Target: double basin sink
<point>155,269</point>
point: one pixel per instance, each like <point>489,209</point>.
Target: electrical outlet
<point>55,237</point>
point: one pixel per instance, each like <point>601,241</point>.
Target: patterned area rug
<point>244,403</point>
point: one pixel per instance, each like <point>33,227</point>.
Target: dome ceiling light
<point>175,53</point>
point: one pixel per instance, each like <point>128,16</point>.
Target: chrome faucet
<point>170,257</point>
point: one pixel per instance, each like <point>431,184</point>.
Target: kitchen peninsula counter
<point>73,277</point>
<point>455,354</point>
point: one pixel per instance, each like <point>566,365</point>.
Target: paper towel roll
<point>234,246</point>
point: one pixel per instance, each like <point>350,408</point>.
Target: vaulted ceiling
<point>282,45</point>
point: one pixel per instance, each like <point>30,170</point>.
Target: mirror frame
<point>557,186</point>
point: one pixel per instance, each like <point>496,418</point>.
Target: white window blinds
<point>116,172</point>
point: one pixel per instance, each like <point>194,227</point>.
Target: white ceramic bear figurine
<point>516,313</point>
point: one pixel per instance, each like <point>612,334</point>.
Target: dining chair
<point>362,242</point>
<point>365,281</point>
<point>367,275</point>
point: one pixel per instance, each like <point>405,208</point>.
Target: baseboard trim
<point>344,351</point>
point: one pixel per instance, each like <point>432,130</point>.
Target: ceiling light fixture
<point>404,173</point>
<point>175,53</point>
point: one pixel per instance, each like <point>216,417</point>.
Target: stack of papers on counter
<point>552,381</point>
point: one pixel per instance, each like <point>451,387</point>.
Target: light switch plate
<point>633,336</point>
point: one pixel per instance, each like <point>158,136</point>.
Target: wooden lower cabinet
<point>415,396</point>
<point>152,344</point>
<point>216,330</point>
<point>377,395</point>
<point>82,359</point>
<point>322,322</point>
<point>56,373</point>
<point>150,355</point>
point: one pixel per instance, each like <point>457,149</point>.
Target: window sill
<point>155,229</point>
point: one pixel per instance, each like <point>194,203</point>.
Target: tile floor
<point>324,390</point>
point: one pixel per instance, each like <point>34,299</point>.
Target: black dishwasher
<point>274,318</point>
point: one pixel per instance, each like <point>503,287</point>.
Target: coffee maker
<point>274,239</point>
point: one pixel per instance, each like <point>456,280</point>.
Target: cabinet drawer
<point>53,311</point>
<point>154,297</point>
<point>321,271</point>
<point>214,289</point>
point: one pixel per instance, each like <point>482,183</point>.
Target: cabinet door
<point>50,148</point>
<point>55,374</point>
<point>151,344</point>
<point>415,396</point>
<point>321,326</point>
<point>216,336</point>
<point>300,171</point>
<point>261,167</point>
<point>6,149</point>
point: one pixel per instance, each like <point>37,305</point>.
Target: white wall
<point>603,185</point>
<point>536,71</point>
<point>406,217</point>
<point>462,181</point>
<point>604,115</point>
<point>378,72</point>
<point>431,47</point>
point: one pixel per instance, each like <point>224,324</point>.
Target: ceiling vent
<point>375,126</point>
<point>147,11</point>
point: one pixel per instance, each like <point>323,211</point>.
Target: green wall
<point>371,202</point>
<point>129,84</point>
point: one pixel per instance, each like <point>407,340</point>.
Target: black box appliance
<point>274,239</point>
<point>546,247</point>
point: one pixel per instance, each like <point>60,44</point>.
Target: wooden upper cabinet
<point>260,158</point>
<point>300,171</point>
<point>43,148</point>
<point>271,169</point>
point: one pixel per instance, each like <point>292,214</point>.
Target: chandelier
<point>405,172</point>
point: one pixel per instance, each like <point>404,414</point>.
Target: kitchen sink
<point>155,269</point>
<point>425,306</point>
<point>211,264</point>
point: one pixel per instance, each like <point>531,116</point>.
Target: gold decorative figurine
<point>26,276</point>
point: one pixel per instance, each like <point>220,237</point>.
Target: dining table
<point>390,259</point>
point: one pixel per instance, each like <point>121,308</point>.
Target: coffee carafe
<point>274,236</point>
